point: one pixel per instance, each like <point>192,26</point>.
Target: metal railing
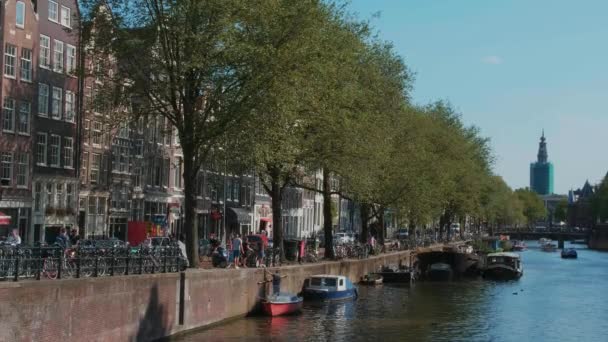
<point>54,262</point>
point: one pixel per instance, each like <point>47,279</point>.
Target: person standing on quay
<point>237,249</point>
<point>276,281</point>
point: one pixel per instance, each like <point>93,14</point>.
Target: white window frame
<point>20,8</point>
<point>21,169</point>
<point>25,109</point>
<point>41,147</point>
<point>95,167</point>
<point>57,114</point>
<point>70,60</point>
<point>67,24</point>
<point>68,152</point>
<point>96,137</point>
<point>58,51</point>
<point>8,115</point>
<point>10,60</point>
<point>59,199</point>
<point>45,52</point>
<point>70,107</point>
<point>6,158</point>
<point>55,19</point>
<point>43,88</point>
<point>26,65</point>
<point>38,200</point>
<point>54,162</point>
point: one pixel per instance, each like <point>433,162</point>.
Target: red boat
<point>282,304</point>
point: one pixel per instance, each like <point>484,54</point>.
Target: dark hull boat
<point>440,272</point>
<point>503,266</point>
<point>396,275</point>
<point>569,253</point>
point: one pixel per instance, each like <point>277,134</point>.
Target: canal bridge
<point>536,235</point>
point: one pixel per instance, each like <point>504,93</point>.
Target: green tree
<point>561,211</point>
<point>533,206</point>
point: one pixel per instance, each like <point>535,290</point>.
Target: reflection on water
<point>555,300</point>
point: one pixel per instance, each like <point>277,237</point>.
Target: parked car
<point>342,238</point>
<point>402,234</point>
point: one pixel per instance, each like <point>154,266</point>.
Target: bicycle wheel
<point>49,268</point>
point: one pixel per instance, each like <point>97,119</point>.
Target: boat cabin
<point>509,259</point>
<point>328,282</point>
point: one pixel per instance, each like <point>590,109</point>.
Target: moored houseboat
<point>503,266</point>
<point>328,287</point>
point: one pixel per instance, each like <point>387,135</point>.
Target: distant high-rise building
<point>541,172</point>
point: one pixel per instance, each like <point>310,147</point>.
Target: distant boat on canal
<point>503,266</point>
<point>569,253</point>
<point>329,287</point>
<point>282,304</point>
<point>547,245</point>
<point>519,246</point>
<point>440,272</point>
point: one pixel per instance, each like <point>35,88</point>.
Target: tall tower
<point>541,172</point>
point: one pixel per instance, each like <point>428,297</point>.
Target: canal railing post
<point>16,251</point>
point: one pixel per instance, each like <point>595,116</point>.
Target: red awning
<point>5,220</point>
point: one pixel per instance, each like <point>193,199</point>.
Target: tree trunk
<point>462,222</point>
<point>276,193</point>
<point>364,212</point>
<point>190,228</point>
<point>382,228</point>
<point>327,224</point>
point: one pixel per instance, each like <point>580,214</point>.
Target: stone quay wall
<point>149,307</point>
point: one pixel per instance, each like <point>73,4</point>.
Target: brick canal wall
<point>147,307</point>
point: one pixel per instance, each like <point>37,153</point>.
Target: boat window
<point>341,282</point>
<point>316,281</point>
<point>330,282</point>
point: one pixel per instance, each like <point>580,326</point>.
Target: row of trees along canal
<point>290,86</point>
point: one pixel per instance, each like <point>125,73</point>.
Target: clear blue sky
<point>512,68</point>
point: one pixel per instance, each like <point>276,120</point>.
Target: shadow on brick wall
<point>154,324</point>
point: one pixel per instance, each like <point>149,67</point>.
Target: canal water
<point>555,300</point>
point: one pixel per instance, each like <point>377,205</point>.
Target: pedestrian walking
<point>182,248</point>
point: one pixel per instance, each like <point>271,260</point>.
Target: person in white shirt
<point>14,239</point>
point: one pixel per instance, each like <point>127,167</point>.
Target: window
<point>26,64</point>
<point>71,59</point>
<point>53,11</point>
<point>85,136</point>
<point>178,173</point>
<point>69,196</point>
<point>37,196</point>
<point>95,164</point>
<point>54,146</point>
<point>59,195</point>
<point>96,133</point>
<point>68,153</point>
<point>56,106</point>
<point>21,159</point>
<point>58,56</point>
<point>8,121</point>
<point>45,51</point>
<point>49,194</point>
<point>6,168</point>
<point>69,106</point>
<point>41,149</point>
<point>66,18</point>
<point>10,56</point>
<point>20,15</point>
<point>23,122</point>
<point>43,99</point>
<point>85,166</point>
